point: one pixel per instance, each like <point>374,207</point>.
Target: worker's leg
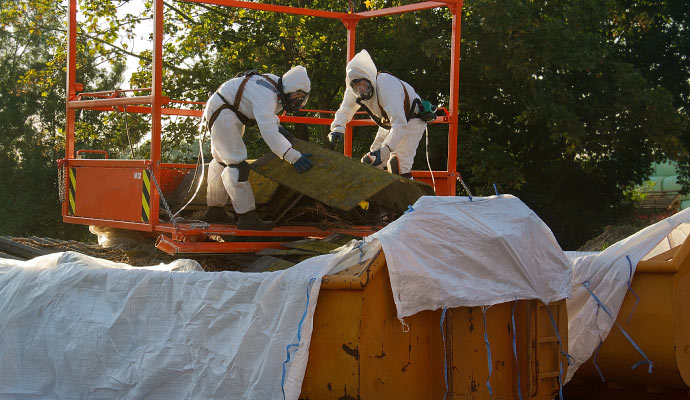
<point>402,157</point>
<point>216,195</point>
<point>229,147</point>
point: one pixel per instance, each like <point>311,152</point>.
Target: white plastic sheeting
<point>607,274</point>
<point>453,252</point>
<point>74,327</point>
<point>77,327</point>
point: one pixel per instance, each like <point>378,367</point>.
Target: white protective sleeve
<point>381,135</point>
<point>348,108</point>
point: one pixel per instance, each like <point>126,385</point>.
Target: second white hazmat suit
<point>392,101</point>
<point>260,100</point>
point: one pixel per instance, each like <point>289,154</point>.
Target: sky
<point>141,40</point>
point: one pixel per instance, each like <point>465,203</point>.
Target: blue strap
<point>639,350</point>
<point>627,321</point>
<point>563,352</point>
<point>445,360</point>
<point>596,354</point>
<point>496,190</point>
<point>601,341</point>
<point>517,364</point>
<point>409,210</point>
<point>488,352</point>
<point>558,336</point>
<point>358,246</point>
<point>299,338</point>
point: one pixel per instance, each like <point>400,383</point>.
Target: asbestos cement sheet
<point>342,182</point>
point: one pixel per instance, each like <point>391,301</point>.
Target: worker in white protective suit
<point>392,103</point>
<point>249,99</point>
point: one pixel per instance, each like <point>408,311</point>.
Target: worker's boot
<point>251,221</point>
<point>217,214</point>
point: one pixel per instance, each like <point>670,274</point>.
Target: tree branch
<point>123,51</point>
<point>211,9</point>
<point>181,14</point>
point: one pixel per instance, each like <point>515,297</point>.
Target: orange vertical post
<point>71,92</point>
<point>351,25</point>
<point>157,102</point>
<point>454,95</point>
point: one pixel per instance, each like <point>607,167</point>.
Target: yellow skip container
<point>660,325</point>
<point>360,350</point>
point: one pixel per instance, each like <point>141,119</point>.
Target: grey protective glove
<point>298,160</point>
<point>377,156</point>
<point>303,164</point>
<point>335,137</point>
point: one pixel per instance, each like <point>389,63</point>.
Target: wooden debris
<point>269,264</point>
<point>322,246</point>
<point>286,252</point>
<point>23,251</point>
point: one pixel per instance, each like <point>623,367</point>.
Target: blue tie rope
<point>445,360</point>
<point>299,338</point>
<point>517,364</point>
<point>409,210</point>
<point>358,246</point>
<point>601,341</point>
<point>563,352</point>
<point>488,352</point>
<point>496,190</point>
<point>639,350</point>
<point>627,321</point>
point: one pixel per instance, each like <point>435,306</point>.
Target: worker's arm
<point>268,123</point>
<point>381,135</point>
<point>345,112</point>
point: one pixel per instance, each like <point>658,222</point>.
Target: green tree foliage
<point>562,104</point>
<point>654,37</point>
<point>32,113</point>
<point>555,111</point>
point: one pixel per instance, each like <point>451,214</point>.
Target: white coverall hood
<point>361,67</point>
<point>296,79</point>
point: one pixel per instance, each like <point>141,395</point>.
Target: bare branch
<point>127,52</point>
<point>181,14</point>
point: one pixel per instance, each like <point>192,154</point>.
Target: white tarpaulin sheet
<point>607,274</point>
<point>77,327</point>
<point>452,252</point>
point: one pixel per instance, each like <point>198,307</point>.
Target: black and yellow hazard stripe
<point>146,195</point>
<point>72,190</point>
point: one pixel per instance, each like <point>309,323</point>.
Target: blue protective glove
<point>335,137</point>
<point>288,135</point>
<point>372,158</point>
<point>303,164</point>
